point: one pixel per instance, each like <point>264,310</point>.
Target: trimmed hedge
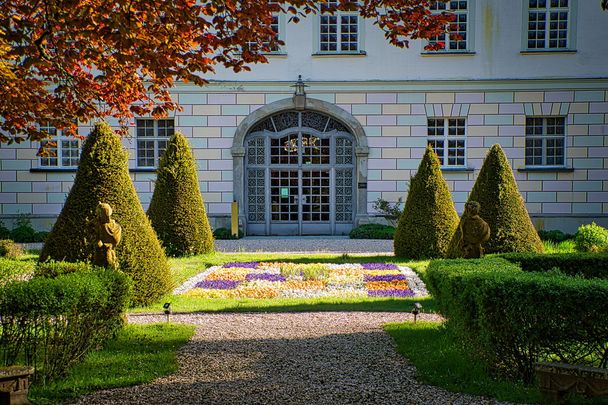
<point>502,207</point>
<point>512,318</point>
<point>372,231</point>
<point>429,218</point>
<point>586,265</point>
<point>51,323</point>
<point>177,211</point>
<point>103,176</point>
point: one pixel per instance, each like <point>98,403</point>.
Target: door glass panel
<point>284,151</point>
<point>284,195</point>
<point>344,195</point>
<point>315,195</point>
<point>315,150</point>
<point>256,195</point>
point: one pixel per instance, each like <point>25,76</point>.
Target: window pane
<point>545,141</point>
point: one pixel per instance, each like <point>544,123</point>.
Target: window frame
<point>360,34</point>
<point>446,138</point>
<point>280,35</point>
<point>470,39</point>
<point>571,36</point>
<point>156,138</point>
<point>59,138</point>
<point>544,136</point>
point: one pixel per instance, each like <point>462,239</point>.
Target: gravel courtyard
<point>287,358</point>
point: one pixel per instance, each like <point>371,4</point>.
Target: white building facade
<point>530,75</point>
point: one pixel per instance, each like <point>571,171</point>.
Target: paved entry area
<point>308,244</point>
<point>291,358</point>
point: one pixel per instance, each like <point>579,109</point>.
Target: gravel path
<point>300,244</point>
<point>308,244</point>
<point>288,358</point>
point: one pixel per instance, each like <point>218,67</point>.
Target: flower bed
<point>293,280</point>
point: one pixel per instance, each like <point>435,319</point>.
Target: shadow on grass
<point>441,360</point>
<point>138,354</point>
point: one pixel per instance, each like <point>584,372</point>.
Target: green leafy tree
<point>177,211</point>
<point>103,176</point>
<point>429,218</point>
<point>502,207</point>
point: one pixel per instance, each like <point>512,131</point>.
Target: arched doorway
<point>303,172</point>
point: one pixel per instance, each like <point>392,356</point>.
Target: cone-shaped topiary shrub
<point>177,211</point>
<point>103,176</point>
<point>429,218</point>
<point>502,207</point>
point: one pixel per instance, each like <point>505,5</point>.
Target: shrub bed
<point>512,318</point>
<point>555,235</point>
<point>226,234</point>
<point>586,265</point>
<point>51,323</point>
<point>11,270</point>
<point>372,231</point>
<point>591,238</point>
<point>10,249</point>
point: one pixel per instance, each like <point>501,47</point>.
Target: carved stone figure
<point>109,234</point>
<point>473,231</point>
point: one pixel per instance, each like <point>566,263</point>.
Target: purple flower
<point>379,266</point>
<point>387,277</point>
<point>244,265</point>
<point>390,293</point>
<point>264,276</point>
<point>218,284</point>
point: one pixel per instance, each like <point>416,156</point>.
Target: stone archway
<point>346,122</point>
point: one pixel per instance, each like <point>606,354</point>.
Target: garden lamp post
<point>167,309</point>
<point>417,309</point>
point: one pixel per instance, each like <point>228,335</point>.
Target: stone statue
<point>473,231</point>
<point>109,234</point>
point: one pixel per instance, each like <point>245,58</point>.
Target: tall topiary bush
<point>502,207</point>
<point>429,218</point>
<point>103,175</point>
<point>177,211</point>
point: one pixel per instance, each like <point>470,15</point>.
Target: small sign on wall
<point>362,185</point>
<point>284,192</point>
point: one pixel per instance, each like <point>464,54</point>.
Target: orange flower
<point>387,285</point>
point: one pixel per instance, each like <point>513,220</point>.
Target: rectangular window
<point>339,32</point>
<point>275,25</point>
<point>455,39</point>
<point>548,24</point>
<point>545,141</point>
<point>447,137</point>
<point>61,150</point>
<point>152,136</point>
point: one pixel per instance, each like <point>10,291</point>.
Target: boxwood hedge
<point>586,265</point>
<point>511,318</point>
<point>51,323</point>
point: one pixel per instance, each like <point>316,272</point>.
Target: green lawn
<point>137,355</point>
